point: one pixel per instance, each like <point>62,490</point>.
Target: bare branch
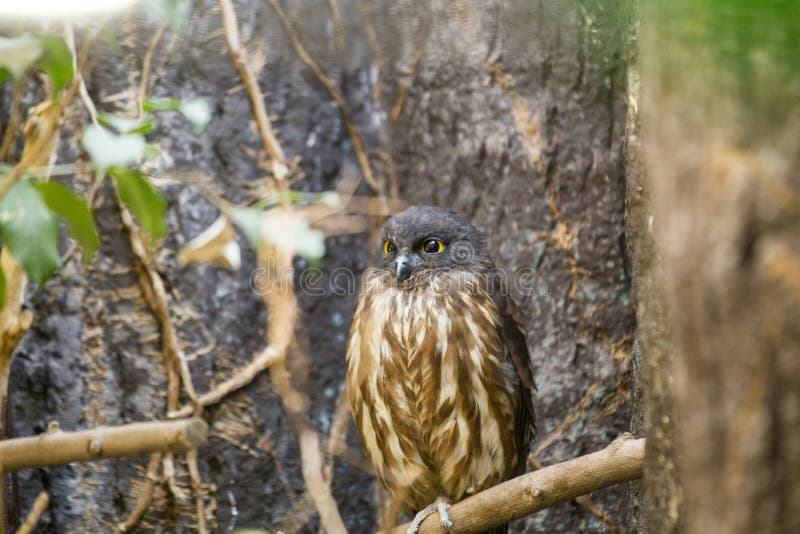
<point>333,90</point>
<point>197,488</point>
<point>282,306</point>
<point>58,447</point>
<point>148,59</point>
<point>338,29</point>
<point>143,501</point>
<point>38,508</point>
<point>377,52</point>
<point>621,461</point>
<point>239,56</point>
<point>156,297</point>
<point>69,38</point>
<point>411,69</point>
<point>240,379</point>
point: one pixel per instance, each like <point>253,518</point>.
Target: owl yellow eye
<point>432,246</point>
<point>388,247</point>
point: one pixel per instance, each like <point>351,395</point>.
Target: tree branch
<point>38,508</point>
<point>58,447</point>
<point>335,93</point>
<point>268,138</point>
<point>621,461</point>
<point>145,496</point>
<point>240,379</point>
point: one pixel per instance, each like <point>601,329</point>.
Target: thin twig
<point>197,488</point>
<point>69,37</point>
<point>148,58</point>
<point>156,297</point>
<point>38,508</point>
<point>365,7</point>
<point>405,81</point>
<point>587,504</point>
<point>338,29</point>
<point>335,93</point>
<point>239,56</point>
<point>145,496</point>
<point>240,379</point>
<point>175,360</point>
<point>574,413</point>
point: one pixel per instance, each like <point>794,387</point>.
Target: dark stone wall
<point>516,118</point>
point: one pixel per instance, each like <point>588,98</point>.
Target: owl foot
<point>439,505</point>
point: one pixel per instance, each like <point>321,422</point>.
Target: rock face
<point>515,117</point>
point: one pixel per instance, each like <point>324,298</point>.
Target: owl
<point>438,372</point>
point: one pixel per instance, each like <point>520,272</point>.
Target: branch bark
<point>268,138</point>
<point>240,379</point>
<point>335,93</point>
<point>621,461</point>
<point>38,508</point>
<point>58,447</point>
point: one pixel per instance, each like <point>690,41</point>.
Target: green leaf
<point>18,53</point>
<point>144,201</point>
<point>30,231</point>
<point>164,104</point>
<point>126,125</point>
<point>4,75</point>
<point>151,152</point>
<point>197,111</point>
<point>75,212</point>
<point>56,61</point>
<point>249,221</point>
<point>107,149</point>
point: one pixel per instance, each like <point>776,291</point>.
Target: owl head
<point>424,238</point>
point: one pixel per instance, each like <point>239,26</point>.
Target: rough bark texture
<point>720,116</point>
<point>516,118</point>
<point>657,500</point>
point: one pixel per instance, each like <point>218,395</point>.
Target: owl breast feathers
<point>438,371</point>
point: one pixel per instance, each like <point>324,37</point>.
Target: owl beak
<point>404,266</point>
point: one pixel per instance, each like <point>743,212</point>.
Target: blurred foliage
<point>742,50</point>
<point>144,201</point>
<point>75,212</point>
<point>47,52</point>
<point>30,231</point>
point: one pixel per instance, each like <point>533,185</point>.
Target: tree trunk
<point>720,130</point>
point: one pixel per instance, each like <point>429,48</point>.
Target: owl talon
<point>440,505</point>
<point>413,528</point>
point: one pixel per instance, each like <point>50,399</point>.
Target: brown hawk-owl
<point>438,371</point>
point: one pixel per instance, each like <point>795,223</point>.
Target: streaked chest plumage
<point>433,393</point>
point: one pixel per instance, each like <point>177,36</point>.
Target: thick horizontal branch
<point>620,462</point>
<point>58,447</point>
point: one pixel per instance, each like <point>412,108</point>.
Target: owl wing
<point>513,333</point>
